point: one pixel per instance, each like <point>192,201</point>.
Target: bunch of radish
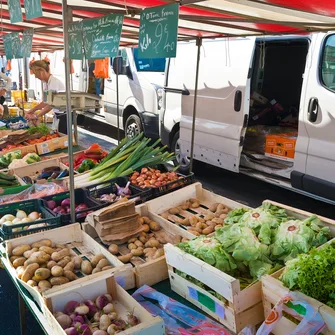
<point>93,317</point>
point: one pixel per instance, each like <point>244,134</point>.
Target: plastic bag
<point>101,68</point>
<point>311,323</point>
<point>36,191</point>
<point>178,318</point>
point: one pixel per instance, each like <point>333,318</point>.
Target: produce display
<point>7,180</point>
<point>48,173</point>
<point>94,317</point>
<point>7,158</point>
<point>30,158</point>
<point>148,244</point>
<point>313,274</point>
<point>130,155</point>
<point>148,178</point>
<point>20,218</point>
<point>44,264</point>
<point>121,192</point>
<point>63,207</point>
<point>205,222</point>
<point>257,241</point>
<point>43,138</point>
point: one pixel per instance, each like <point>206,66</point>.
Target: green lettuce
<point>210,251</point>
<point>235,215</point>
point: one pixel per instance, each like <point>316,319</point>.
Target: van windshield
<point>149,64</point>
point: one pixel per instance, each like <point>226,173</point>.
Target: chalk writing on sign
<point>76,40</point>
<point>33,9</point>
<point>15,12</point>
<point>26,43</point>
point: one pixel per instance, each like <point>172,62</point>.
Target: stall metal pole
<point>117,102</point>
<point>68,107</point>
<point>199,44</point>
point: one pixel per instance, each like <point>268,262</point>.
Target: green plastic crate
<point>48,218</point>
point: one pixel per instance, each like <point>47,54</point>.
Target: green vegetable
<point>294,237</point>
<point>6,159</point>
<point>210,251</point>
<point>313,274</point>
<point>87,164</point>
<point>42,129</point>
<point>32,158</point>
<point>235,215</point>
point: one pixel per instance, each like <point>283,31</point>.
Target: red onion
<point>65,202</point>
<point>51,204</point>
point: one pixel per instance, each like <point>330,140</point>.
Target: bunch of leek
<point>130,155</point>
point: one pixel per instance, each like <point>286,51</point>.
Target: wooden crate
<point>240,308</point>
<point>196,191</point>
<point>122,301</point>
<point>54,144</point>
<point>81,244</point>
<point>273,290</point>
<point>154,271</point>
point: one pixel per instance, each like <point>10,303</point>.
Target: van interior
<point>276,84</point>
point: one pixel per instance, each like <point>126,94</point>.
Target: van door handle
<point>313,109</point>
<point>109,80</point>
<point>238,101</point>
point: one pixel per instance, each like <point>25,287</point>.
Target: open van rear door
<point>222,103</point>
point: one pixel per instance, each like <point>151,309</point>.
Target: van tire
<point>133,126</point>
<point>175,147</point>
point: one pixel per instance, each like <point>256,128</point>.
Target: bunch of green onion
<point>130,155</point>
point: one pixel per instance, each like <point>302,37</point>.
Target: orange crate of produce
<point>281,146</point>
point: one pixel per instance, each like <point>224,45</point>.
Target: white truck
<point>248,89</point>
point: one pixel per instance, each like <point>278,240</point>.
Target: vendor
<point>4,87</point>
<point>41,70</point>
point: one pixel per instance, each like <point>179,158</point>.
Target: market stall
<point>214,251</point>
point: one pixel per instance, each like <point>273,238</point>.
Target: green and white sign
<point>12,45</point>
<point>76,40</point>
<point>158,32</point>
<point>33,9</point>
<point>27,43</point>
<point>15,12</point>
<point>102,36</point>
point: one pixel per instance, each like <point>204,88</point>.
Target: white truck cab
<point>140,92</point>
<point>265,107</point>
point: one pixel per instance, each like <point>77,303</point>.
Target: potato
<point>220,207</point>
<point>28,253</point>
<point>146,228</point>
<point>96,259</point>
<point>103,262</point>
<point>193,220</point>
<point>195,204</point>
<point>13,258</point>
<point>58,281</point>
<point>185,222</point>
<point>218,221</point>
<point>146,250</point>
<point>199,226</point>
<point>209,217</point>
<point>60,246</point>
<point>186,205</point>
<point>39,257</point>
<point>125,258</point>
<point>137,252</point>
<point>86,267</point>
<point>51,264</point>
<point>19,251</point>
<point>138,243</point>
<point>70,275</point>
<point>132,240</point>
<point>57,271</point>
<point>140,221</point>
<point>193,232</point>
<point>107,267</point>
<point>96,269</point>
<point>223,216</point>
<point>146,219</point>
<point>34,278</point>
<point>77,260</point>
<point>213,207</point>
<point>42,243</point>
<point>132,246</point>
<point>174,211</point>
<point>69,267</point>
<point>64,261</point>
<point>59,255</point>
<point>47,250</point>
<point>19,271</point>
<point>44,284</point>
<point>219,213</point>
<point>184,239</point>
<point>113,249</point>
<point>150,254</point>
<point>208,230</point>
<point>218,227</point>
<point>29,271</point>
<point>143,239</point>
<point>165,215</point>
<point>158,253</point>
<point>44,265</point>
<point>152,243</point>
<point>154,226</point>
<point>19,262</point>
<point>31,283</point>
<point>42,274</point>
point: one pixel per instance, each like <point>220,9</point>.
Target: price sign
<point>26,44</point>
<point>102,36</point>
<point>158,32</point>
<point>76,40</point>
<point>33,9</point>
<point>15,13</point>
<point>12,45</point>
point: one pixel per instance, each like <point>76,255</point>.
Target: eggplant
<point>54,175</point>
<point>63,174</point>
<point>51,170</point>
<point>44,176</point>
<point>27,180</point>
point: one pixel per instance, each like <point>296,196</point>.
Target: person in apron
<point>41,70</point>
<point>5,85</point>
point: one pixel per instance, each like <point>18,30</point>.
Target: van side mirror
<point>118,65</point>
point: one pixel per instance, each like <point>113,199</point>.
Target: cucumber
<point>7,183</point>
<point>4,176</point>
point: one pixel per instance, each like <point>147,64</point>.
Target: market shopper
<point>41,70</point>
<point>4,88</point>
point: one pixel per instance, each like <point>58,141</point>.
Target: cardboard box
<point>27,149</point>
<point>281,146</point>
<point>53,145</point>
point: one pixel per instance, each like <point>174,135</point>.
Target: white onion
<point>8,223</point>
<point>34,216</point>
<point>16,221</point>
<point>21,214</point>
<point>26,220</point>
<point>7,217</point>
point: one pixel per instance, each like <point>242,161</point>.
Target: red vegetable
<point>71,306</point>
<point>81,207</point>
<point>65,202</point>
<point>51,204</point>
<point>101,301</point>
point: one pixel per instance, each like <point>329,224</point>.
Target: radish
<point>64,320</point>
<point>71,306</point>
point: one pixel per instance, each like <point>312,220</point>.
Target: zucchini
<point>7,183</point>
<point>4,176</point>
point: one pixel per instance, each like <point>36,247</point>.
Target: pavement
<point>238,187</point>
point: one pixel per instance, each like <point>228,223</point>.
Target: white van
<point>140,93</point>
<point>265,107</point>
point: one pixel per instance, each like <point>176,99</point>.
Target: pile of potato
<point>43,264</point>
<point>205,224</point>
<point>149,243</point>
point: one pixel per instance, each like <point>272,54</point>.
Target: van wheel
<point>184,161</point>
<point>133,126</point>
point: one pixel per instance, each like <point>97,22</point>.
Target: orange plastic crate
<point>281,146</point>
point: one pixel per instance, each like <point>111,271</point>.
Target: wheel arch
<point>173,131</point>
<point>129,110</point>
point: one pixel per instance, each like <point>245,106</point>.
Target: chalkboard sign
<point>76,40</point>
<point>7,41</point>
<point>102,36</point>
<point>33,9</point>
<point>15,12</point>
<point>27,41</point>
<point>158,32</point>
<point>12,45</point>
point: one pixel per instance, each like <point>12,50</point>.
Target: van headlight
<point>159,93</point>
